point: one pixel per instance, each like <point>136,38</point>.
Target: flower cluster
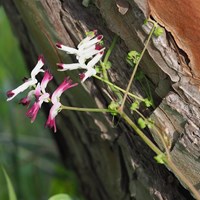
<point>88,53</point>
<point>40,95</point>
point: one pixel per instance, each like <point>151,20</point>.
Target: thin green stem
<point>136,66</point>
<point>167,159</point>
<point>140,114</point>
<point>110,49</point>
<point>140,133</point>
<point>182,177</point>
<point>84,109</point>
<point>118,88</point>
<point>108,53</point>
<point>173,167</point>
<point>104,69</point>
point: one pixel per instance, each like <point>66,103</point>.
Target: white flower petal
<point>38,67</point>
<point>95,60</point>
<point>90,72</point>
<point>22,87</point>
<point>88,54</point>
<point>64,67</point>
<point>69,50</point>
<point>90,42</point>
<point>88,38</point>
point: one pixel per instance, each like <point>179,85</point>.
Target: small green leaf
<point>11,191</point>
<point>158,31</point>
<point>145,21</point>
<point>150,123</point>
<point>60,197</point>
<point>133,56</point>
<point>101,42</point>
<point>90,33</point>
<point>113,108</point>
<point>98,69</point>
<point>141,123</point>
<point>108,65</point>
<point>135,105</point>
<point>148,102</point>
<point>160,158</point>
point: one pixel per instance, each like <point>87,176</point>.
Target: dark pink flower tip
<point>98,47</point>
<point>82,76</point>
<point>51,123</point>
<point>102,52</point>
<point>33,111</point>
<point>47,76</point>
<point>60,65</point>
<point>99,37</point>
<point>66,84</point>
<point>41,57</point>
<point>24,101</point>
<point>59,45</point>
<point>10,93</point>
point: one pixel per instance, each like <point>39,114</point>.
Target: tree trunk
<point>110,160</point>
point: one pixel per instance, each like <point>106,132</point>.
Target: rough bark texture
<point>112,162</point>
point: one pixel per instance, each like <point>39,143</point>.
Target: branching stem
<point>118,88</point>
<point>84,109</point>
<point>136,66</point>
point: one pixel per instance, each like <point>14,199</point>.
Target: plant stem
<point>117,87</point>
<point>140,133</point>
<point>173,167</point>
<point>136,66</point>
<point>110,49</point>
<point>168,160</point>
<point>103,64</point>
<point>182,177</point>
<point>104,70</point>
<point>84,109</point>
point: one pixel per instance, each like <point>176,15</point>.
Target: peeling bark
<point>112,162</point>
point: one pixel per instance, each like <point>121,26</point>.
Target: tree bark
<point>111,161</point>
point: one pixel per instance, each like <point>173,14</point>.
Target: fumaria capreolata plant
<point>89,53</point>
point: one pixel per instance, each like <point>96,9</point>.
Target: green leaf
<point>160,158</point>
<point>145,21</point>
<point>60,197</point>
<point>141,123</point>
<point>113,108</point>
<point>90,33</point>
<point>133,56</point>
<point>149,123</point>
<point>11,191</point>
<point>158,31</point>
<point>101,42</point>
<point>135,105</point>
<point>108,65</point>
<point>98,69</point>
<point>148,102</point>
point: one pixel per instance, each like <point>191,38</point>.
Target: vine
<point>88,53</point>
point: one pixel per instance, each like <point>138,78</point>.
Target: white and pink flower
<point>88,48</point>
<point>65,85</point>
<point>89,66</point>
<point>33,111</point>
<point>28,82</point>
<point>40,95</point>
<point>51,122</point>
<point>55,99</point>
